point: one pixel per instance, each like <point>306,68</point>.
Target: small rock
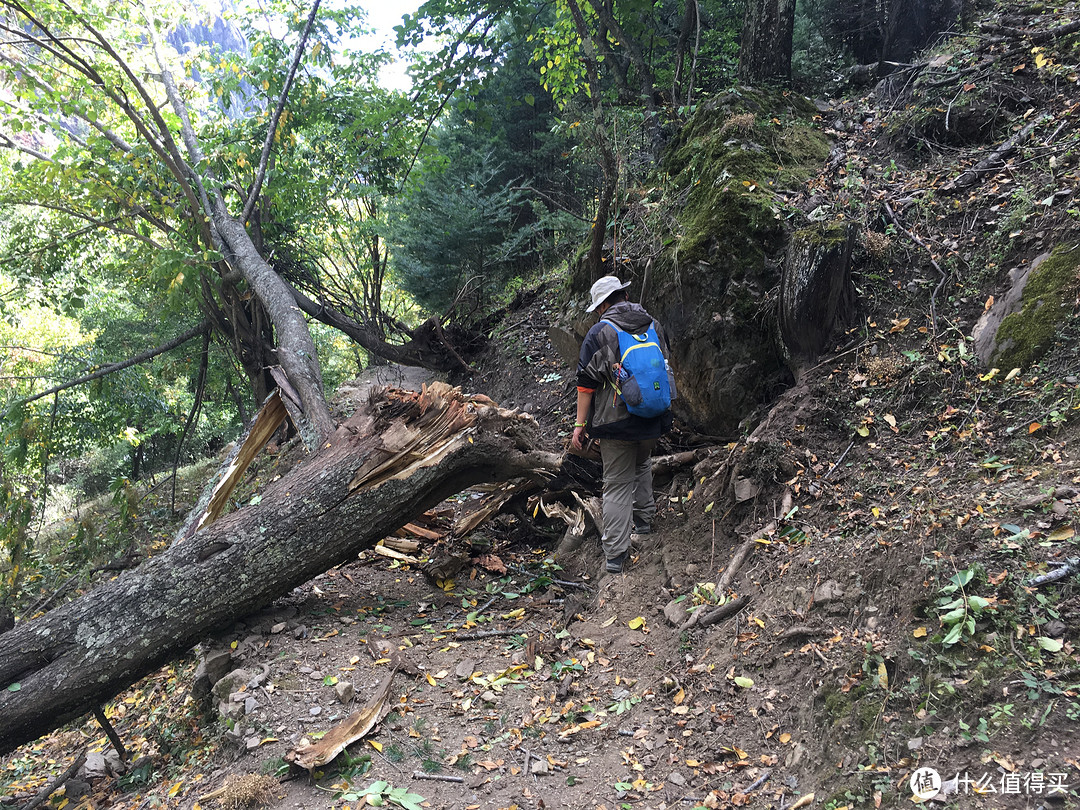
<point>347,620</point>
<point>1054,628</point>
<point>212,667</point>
<point>230,711</point>
<point>488,696</point>
<point>251,705</point>
<point>539,766</point>
<point>828,591</point>
<point>839,125</point>
<point>252,742</point>
<point>231,683</point>
<point>1059,508</point>
<point>76,788</point>
<point>466,668</point>
<point>676,613</point>
<point>344,691</point>
<point>278,628</point>
<point>315,711</point>
<point>317,675</point>
<point>301,632</point>
<point>306,670</point>
<point>746,489</point>
<point>95,767</point>
<point>677,778</point>
<point>915,743</point>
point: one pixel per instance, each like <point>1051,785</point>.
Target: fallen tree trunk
<point>396,457</point>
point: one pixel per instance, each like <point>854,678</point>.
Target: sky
<point>383,15</point>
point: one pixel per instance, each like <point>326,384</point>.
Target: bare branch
<point>264,158</point>
<point>114,367</point>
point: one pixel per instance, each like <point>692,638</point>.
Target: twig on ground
<point>1070,566</point>
<point>918,241</point>
<point>479,634</point>
<point>52,787</point>
<point>438,777</point>
<point>839,461</point>
<point>110,732</point>
<point>761,780</point>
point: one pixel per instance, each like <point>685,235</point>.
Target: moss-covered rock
<point>711,284</point>
<point>1029,333</point>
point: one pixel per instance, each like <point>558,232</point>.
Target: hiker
<point>604,385</point>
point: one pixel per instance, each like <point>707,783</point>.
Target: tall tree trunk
<point>765,50</point>
<point>603,143</point>
<point>397,456</point>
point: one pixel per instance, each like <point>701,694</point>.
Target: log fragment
<point>400,454</point>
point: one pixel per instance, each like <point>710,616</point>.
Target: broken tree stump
<point>400,454</point>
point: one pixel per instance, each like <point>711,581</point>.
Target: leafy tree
<point>456,237</point>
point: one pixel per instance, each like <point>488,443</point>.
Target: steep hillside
<point>873,573</point>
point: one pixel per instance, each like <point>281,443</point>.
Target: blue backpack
<point>642,374</point>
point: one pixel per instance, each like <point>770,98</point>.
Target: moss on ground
<point>1024,337</point>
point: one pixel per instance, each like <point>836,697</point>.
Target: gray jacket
<point>608,418</point>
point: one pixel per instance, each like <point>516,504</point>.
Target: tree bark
<point>765,50</point>
<point>397,456</point>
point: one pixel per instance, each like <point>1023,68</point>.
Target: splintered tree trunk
<point>816,292</point>
<point>765,49</point>
<point>396,457</point>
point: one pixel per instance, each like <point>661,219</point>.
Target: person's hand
<point>577,442</point>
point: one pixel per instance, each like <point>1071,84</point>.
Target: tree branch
<point>114,367</point>
<point>264,158</point>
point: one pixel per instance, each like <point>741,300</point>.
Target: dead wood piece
<point>490,505</point>
<point>995,160</point>
<point>438,777</point>
<point>412,530</point>
<point>110,732</point>
<point>479,634</point>
<point>740,556</point>
<point>802,631</point>
<point>214,501</point>
<point>706,618</point>
<point>384,550</point>
<point>400,545</point>
<point>85,651</point>
<point>662,465</point>
<point>1071,566</point>
<point>311,755</point>
<point>55,785</point>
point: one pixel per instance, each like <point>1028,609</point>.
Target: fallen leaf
<point>1033,427</point>
<point>745,683</point>
<point>803,802</point>
<point>919,632</point>
<point>376,745</point>
<point>636,623</point>
<point>785,738</point>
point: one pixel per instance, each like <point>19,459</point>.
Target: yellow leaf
<point>785,738</point>
<point>636,623</point>
<point>1012,374</point>
<point>741,754</point>
<point>427,676</point>
<point>919,632</point>
<point>1062,534</point>
<point>176,788</point>
<point>1033,427</point>
<point>376,745</point>
<point>680,696</point>
<point>609,622</point>
<point>693,763</point>
<point>891,420</point>
<point>266,740</point>
<point>875,511</point>
<point>233,645</point>
<point>882,675</point>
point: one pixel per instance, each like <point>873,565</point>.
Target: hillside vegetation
<point>870,567</point>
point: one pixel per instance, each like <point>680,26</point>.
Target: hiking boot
<point>616,564</point>
<point>640,527</point>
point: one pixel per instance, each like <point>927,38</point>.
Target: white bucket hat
<point>604,287</point>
